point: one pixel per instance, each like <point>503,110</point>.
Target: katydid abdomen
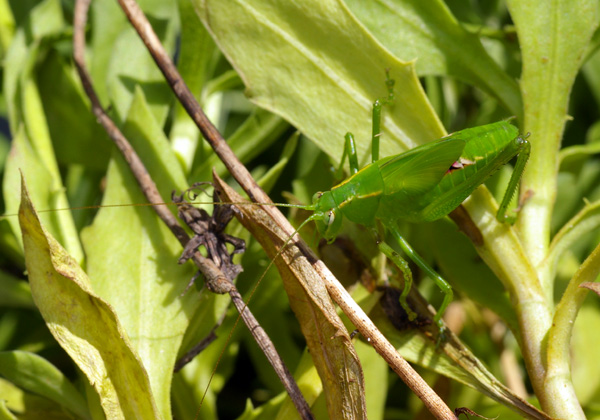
<point>425,183</point>
<point>487,149</point>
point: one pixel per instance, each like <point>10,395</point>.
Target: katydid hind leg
<point>439,281</point>
<point>513,184</point>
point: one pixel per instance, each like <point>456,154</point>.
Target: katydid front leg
<point>524,150</point>
<point>350,144</point>
<point>376,126</point>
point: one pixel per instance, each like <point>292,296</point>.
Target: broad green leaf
<point>574,192</point>
<point>426,31</point>
<point>85,325</point>
<point>107,21</point>
<point>376,379</point>
<point>553,39</point>
<point>19,405</point>
<point>35,374</point>
<point>44,20</point>
<point>132,257</point>
<point>315,65</point>
<point>282,408</point>
<point>4,144</point>
<point>190,384</point>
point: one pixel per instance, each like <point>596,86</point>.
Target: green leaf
<point>85,325</point>
<point>132,257</point>
<point>465,271</point>
<point>5,413</point>
<point>69,116</point>
<point>7,27</point>
<point>586,220</point>
<point>428,32</point>
<point>315,65</point>
<point>21,405</point>
<point>32,149</point>
<point>131,65</point>
<point>258,132</point>
<point>35,374</point>
<point>267,182</point>
<point>198,57</point>
<point>46,19</point>
<point>120,60</point>
<point>591,72</point>
<point>585,367</point>
<point>15,292</point>
<point>558,350</point>
<point>45,191</point>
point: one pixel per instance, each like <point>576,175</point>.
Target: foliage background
<point>470,72</point>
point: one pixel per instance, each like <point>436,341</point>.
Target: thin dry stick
<point>213,275</point>
<point>366,327</point>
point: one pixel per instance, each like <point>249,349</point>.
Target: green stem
<point>558,382</point>
<point>503,252</point>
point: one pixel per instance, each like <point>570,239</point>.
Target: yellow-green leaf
<point>84,325</point>
<point>314,64</point>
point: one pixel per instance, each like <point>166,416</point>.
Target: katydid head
<point>327,215</point>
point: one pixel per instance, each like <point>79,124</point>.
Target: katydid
<point>421,185</point>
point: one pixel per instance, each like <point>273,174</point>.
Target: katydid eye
<point>316,197</point>
<point>330,218</point>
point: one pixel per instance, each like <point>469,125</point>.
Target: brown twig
<point>196,350</point>
<point>210,271</point>
<point>366,327</point>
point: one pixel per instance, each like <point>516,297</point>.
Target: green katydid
<point>421,185</point>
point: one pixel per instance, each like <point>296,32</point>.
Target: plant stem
<point>554,37</point>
